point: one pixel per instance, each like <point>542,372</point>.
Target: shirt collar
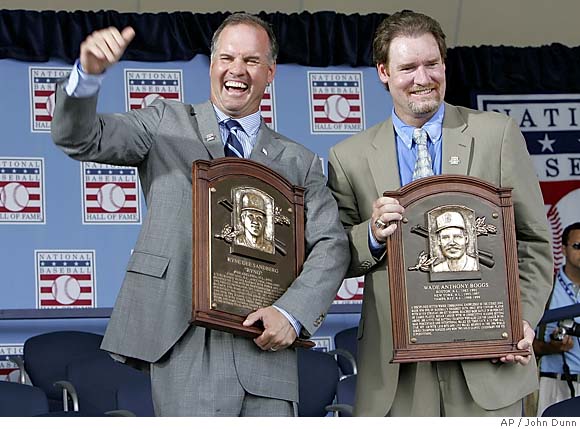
<point>434,127</point>
<point>250,124</point>
<point>567,280</point>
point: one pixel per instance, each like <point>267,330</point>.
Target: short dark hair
<point>405,23</point>
<point>567,230</point>
<point>248,19</point>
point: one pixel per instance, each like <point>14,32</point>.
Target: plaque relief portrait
<point>253,219</point>
<point>452,239</point>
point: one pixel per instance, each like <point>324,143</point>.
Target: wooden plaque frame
<point>422,298</point>
<point>216,244</point>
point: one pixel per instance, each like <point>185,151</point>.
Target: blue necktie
<point>233,147</point>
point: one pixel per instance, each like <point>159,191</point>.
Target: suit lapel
<point>382,159</point>
<point>268,146</point>
<point>457,143</point>
<point>204,115</point>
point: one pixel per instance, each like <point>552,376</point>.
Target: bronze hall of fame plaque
<point>453,272</point>
<point>248,242</point>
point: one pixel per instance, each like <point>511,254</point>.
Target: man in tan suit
<point>409,52</point>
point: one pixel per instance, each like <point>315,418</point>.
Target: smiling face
<point>253,221</point>
<point>415,76</point>
<point>453,242</point>
<point>240,69</point>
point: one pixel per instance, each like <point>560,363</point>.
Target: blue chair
<point>345,394</point>
<point>21,400</point>
<point>24,400</point>
<point>566,408</point>
<point>347,340</point>
<point>101,384</point>
<point>46,357</point>
<point>318,376</point>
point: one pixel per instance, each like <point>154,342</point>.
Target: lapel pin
<point>264,151</point>
<point>454,160</point>
<point>210,137</point>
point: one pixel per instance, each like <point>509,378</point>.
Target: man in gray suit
<point>409,51</point>
<point>197,371</point>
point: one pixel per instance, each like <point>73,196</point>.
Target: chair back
<point>46,357</point>
<point>345,392</point>
<point>346,340</point>
<point>566,408</point>
<point>102,384</point>
<point>21,400</point>
<point>318,376</point>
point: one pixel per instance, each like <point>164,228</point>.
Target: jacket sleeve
<point>120,139</point>
<point>356,224</point>
<point>327,255</point>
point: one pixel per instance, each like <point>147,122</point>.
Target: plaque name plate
<point>248,242</point>
<point>453,273</point>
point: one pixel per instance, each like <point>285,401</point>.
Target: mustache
<point>453,247</point>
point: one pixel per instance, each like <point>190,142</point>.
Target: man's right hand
<point>386,211</point>
<point>104,48</point>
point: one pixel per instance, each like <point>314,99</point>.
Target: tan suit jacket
<point>490,147</point>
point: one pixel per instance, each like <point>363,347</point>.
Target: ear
<point>271,72</point>
<point>383,73</point>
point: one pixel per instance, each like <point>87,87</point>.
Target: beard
<point>424,107</point>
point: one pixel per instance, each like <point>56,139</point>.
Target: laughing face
<point>240,69</point>
<point>415,76</point>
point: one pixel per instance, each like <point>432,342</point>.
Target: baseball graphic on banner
<point>111,197</point>
<point>348,289</point>
<point>66,289</point>
<point>14,196</point>
<point>336,108</point>
<point>150,98</point>
<point>50,100</point>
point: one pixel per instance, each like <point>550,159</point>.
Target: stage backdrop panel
<point>68,228</point>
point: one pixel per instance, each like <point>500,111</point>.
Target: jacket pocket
<point>148,264</point>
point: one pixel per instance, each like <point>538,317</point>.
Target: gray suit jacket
<point>154,305</point>
<point>490,147</point>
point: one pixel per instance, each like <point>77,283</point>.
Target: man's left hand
<point>278,332</point>
<point>524,344</point>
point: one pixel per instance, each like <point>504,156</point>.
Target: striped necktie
<point>423,166</point>
<point>233,147</point>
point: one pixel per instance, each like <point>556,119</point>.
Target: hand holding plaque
<point>248,242</point>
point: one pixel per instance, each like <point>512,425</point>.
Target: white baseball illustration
<point>14,196</point>
<point>66,289</point>
<point>336,108</point>
<point>149,98</point>
<point>50,100</point>
<point>562,214</point>
<point>111,197</point>
<point>348,289</point>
